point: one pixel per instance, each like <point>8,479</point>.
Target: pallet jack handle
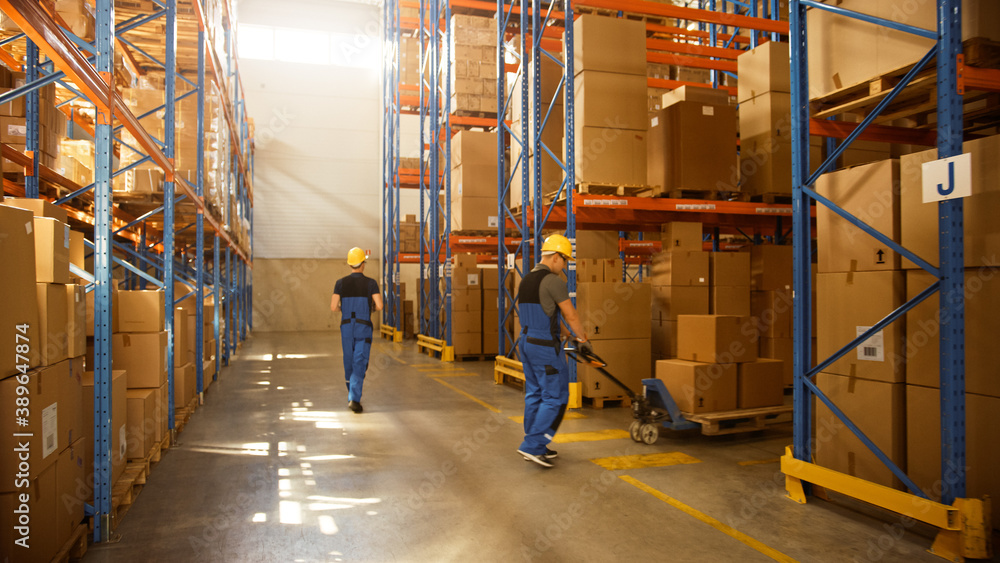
<point>588,357</point>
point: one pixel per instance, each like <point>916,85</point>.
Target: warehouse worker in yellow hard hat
<point>356,295</point>
<point>543,301</point>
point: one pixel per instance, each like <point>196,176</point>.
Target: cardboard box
<point>608,310</point>
<point>726,300</point>
<point>772,313</point>
<point>698,387</point>
<point>474,179</point>
<point>53,342</point>
<point>677,268</point>
<point>17,286</point>
<point>467,342</point>
<point>663,338</point>
<point>468,299</point>
<point>596,244</point>
<point>610,156</point>
<point>716,339</point>
<point>766,144</point>
<point>770,267</point>
<point>923,444</point>
<point>161,428</point>
<point>466,278</point>
<point>762,70</point>
<point>609,45</point>
<point>684,146</point>
<point>682,236</point>
<point>878,410</point>
<point>613,269</point>
<point>696,94</point>
<point>871,193</point>
<point>589,270</point>
<point>114,310</point>
<point>13,130</point>
<point>848,304</point>
<point>919,223</point>
<point>760,383</point>
<point>731,269</point>
<point>185,384</point>
<point>141,311</point>
<point>38,207</point>
<point>51,251</point>
<point>982,323</point>
<point>143,355</point>
<point>628,361</point>
<point>142,422</point>
<point>476,147</point>
<point>780,349</point>
<point>76,317</point>
<point>609,99</point>
<point>42,507</point>
<point>13,108</point>
<point>119,426</point>
<point>467,321</point>
<point>474,213</point>
<point>70,484</point>
<point>671,301</point>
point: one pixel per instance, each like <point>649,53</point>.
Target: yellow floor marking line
<point>448,373</point>
<point>568,416</point>
<point>725,529</point>
<point>641,461</point>
<point>460,392</point>
<point>759,461</point>
<point>595,436</point>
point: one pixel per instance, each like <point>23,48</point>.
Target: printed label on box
<point>50,429</point>
<point>66,236</point>
<point>873,349</point>
<point>654,122</point>
<point>122,437</point>
<point>472,279</point>
<point>707,110</point>
<point>492,221</point>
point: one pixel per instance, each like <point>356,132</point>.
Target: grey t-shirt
<point>552,291</point>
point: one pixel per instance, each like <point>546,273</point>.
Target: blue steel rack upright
<point>92,80</point>
<point>392,313</point>
<point>954,516</point>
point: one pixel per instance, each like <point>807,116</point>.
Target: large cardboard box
<point>683,236</point>
<point>609,310</point>
<point>610,99</point>
<point>467,322</point>
<point>923,444</point>
<point>663,338</point>
<point>17,286</point>
<point>89,324</point>
<point>780,349</point>
<point>701,95</point>
<point>772,313</point>
<point>849,304</point>
<point>919,225</point>
<point>143,355</point>
<point>766,144</point>
<point>870,193</point>
<point>41,509</point>
<point>760,383</point>
<point>474,213</point>
<point>982,324</point>
<point>730,269</point>
<point>467,342</point>
<point>628,361</point>
<point>698,387</point>
<point>76,317</point>
<point>183,342</point>
<point>686,144</point>
<point>142,421</point>
<point>474,179</point>
<point>51,251</point>
<point>596,244</point>
<point>714,339</point>
<point>119,423</point>
<point>38,207</point>
<point>879,410</point>
<point>47,438</point>
<point>474,147</point>
<point>671,301</point>
<point>52,343</point>
<point>606,155</point>
<point>141,311</point>
<point>770,267</point>
<point>677,268</point>
<point>70,485</point>
<point>730,300</point>
<point>589,270</point>
<point>467,299</point>
<point>185,384</point>
<point>609,45</point>
<point>762,70</point>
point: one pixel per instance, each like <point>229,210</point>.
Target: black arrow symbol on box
<point>880,254</point>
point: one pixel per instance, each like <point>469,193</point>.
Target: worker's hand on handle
<point>584,346</point>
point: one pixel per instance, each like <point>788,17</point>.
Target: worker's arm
<point>377,299</point>
<point>335,303</point>
<point>572,319</point>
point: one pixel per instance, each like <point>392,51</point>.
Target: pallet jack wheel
<point>649,433</point>
<point>634,431</point>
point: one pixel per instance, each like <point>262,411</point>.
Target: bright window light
<point>256,42</point>
<point>301,46</point>
<point>354,50</point>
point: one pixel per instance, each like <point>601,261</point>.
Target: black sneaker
<point>354,406</point>
<point>539,459</point>
<point>549,454</point>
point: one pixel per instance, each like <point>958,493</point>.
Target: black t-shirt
<point>356,285</point>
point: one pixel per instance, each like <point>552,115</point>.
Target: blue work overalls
<point>546,376</point>
<point>355,331</point>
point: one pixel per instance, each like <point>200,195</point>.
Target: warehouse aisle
<point>275,468</point>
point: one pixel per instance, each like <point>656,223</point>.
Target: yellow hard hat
<point>355,257</point>
<point>558,243</point>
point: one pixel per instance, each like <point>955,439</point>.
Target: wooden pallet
<point>75,547</point>
<point>475,114</point>
<point>183,414</point>
<point>607,402</point>
<point>126,489</point>
<point>475,233</point>
<point>474,357</point>
<point>742,420</point>
<point>712,195</point>
<point>633,190</point>
<point>772,197</point>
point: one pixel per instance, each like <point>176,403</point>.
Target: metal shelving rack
<point>955,516</point>
<point>91,68</point>
<point>391,109</point>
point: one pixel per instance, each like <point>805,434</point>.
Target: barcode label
<point>873,349</point>
<point>50,429</point>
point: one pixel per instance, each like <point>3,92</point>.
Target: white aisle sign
<point>947,178</point>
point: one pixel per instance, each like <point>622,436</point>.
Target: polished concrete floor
<point>274,467</point>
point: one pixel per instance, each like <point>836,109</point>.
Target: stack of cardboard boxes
<point>409,60</point>
<point>680,282</point>
<point>771,303</point>
<point>13,131</point>
<point>553,134</point>
<point>409,235</point>
<point>610,86</point>
<point>474,181</point>
<point>474,315</point>
<point>765,120</point>
<point>473,64</point>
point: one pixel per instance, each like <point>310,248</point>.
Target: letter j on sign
<point>947,178</point>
